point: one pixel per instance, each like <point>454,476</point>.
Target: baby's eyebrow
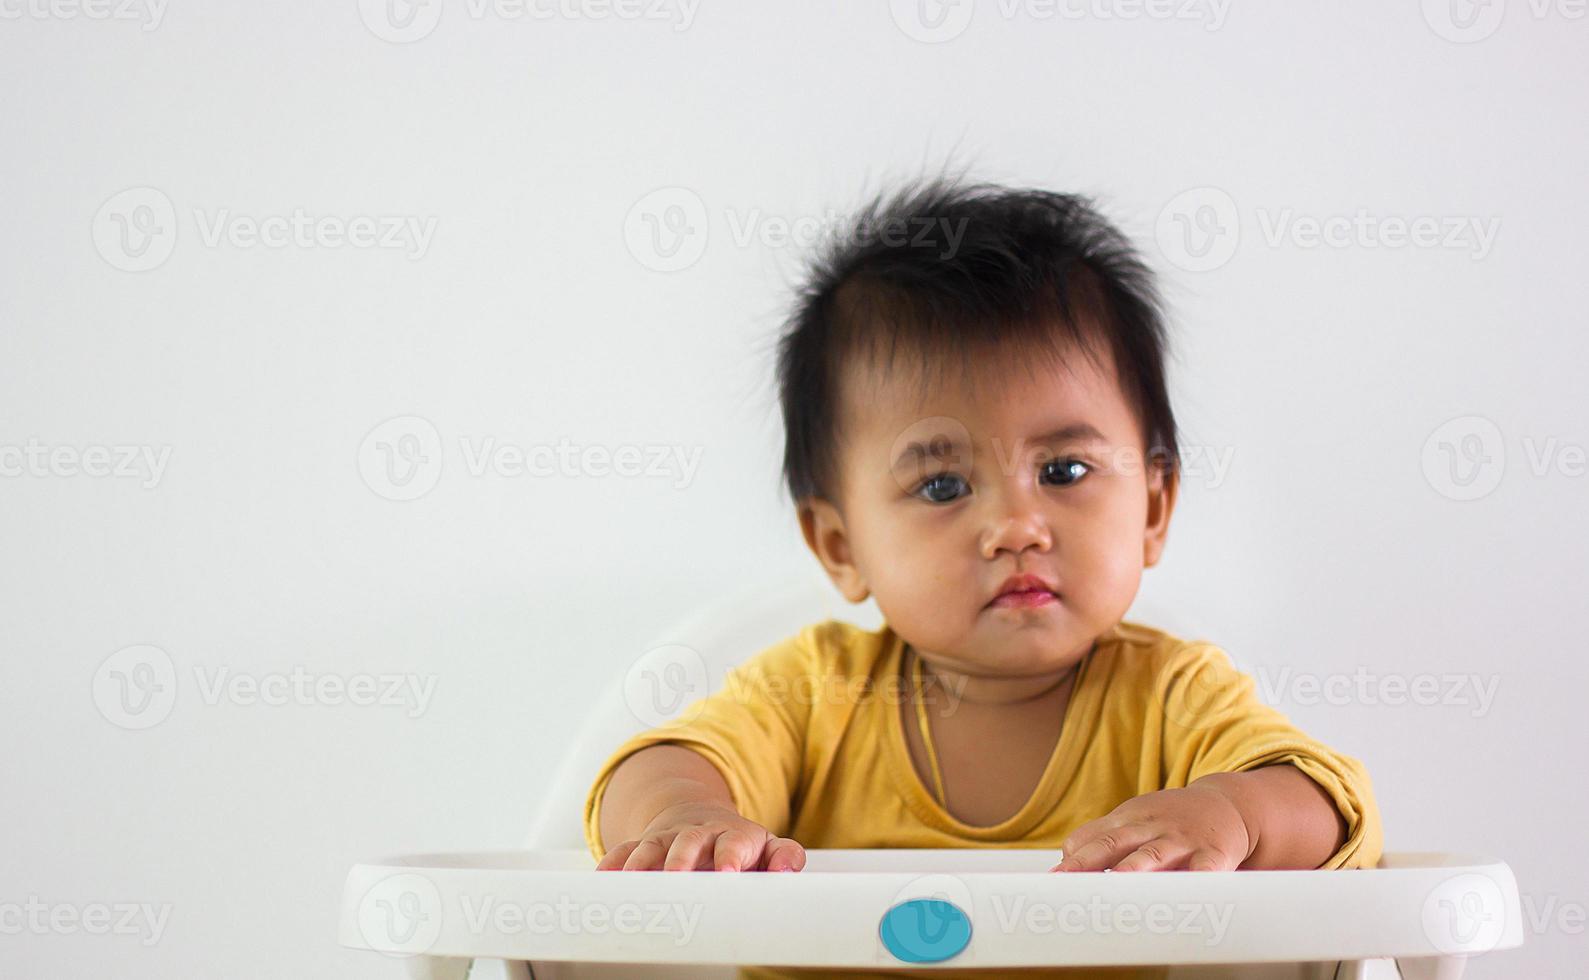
<point>940,446</point>
<point>937,446</point>
<point>1073,432</point>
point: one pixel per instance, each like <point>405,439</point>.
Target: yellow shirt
<point>808,736</point>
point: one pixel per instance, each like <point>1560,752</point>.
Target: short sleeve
<point>1214,722</point>
<point>753,729</point>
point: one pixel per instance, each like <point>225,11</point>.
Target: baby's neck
<point>991,690</point>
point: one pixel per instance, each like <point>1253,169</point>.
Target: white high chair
<point>543,913</point>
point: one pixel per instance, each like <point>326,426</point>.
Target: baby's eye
<point>1066,471</point>
<point>939,489</point>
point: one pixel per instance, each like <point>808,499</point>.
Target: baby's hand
<point>704,837</point>
<point>1197,829</point>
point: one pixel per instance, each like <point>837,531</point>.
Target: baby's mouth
<point>1025,599</point>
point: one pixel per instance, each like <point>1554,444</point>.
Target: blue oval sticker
<point>925,930</point>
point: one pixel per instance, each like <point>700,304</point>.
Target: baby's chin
<point>1023,651</point>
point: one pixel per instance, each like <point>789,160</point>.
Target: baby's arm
<point>672,811</point>
<point>1273,817</point>
<point>1248,789</point>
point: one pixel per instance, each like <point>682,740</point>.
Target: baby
<point>978,434</point>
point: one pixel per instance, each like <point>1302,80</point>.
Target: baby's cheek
<point>933,608</point>
<point>1109,572</point>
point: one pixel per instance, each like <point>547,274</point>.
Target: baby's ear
<point>1164,483</point>
<point>823,527</point>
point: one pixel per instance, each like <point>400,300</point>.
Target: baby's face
<point>946,496</point>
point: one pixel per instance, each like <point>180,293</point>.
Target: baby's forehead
<point>1007,397</point>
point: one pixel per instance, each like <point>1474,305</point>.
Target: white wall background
<point>1335,545</point>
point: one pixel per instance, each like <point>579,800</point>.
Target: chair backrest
<point>686,662</point>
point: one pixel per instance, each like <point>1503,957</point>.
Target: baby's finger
<point>1158,854</point>
<point>1081,835</point>
<point>690,849</point>
<point>1104,849</point>
<point>1208,860</point>
<point>735,851</point>
<point>647,856</point>
<point>785,854</point>
<point>613,860</point>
